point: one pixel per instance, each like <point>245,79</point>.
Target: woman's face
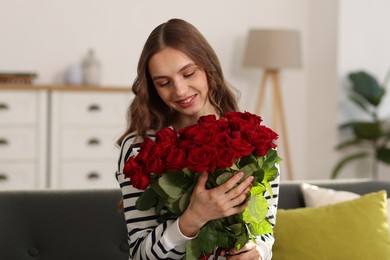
<point>181,84</point>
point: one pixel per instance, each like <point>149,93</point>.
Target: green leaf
<point>258,229</point>
<point>192,250</point>
<point>346,160</point>
<point>247,160</point>
<point>367,130</point>
<point>248,170</point>
<point>170,188</point>
<point>348,143</point>
<point>207,239</point>
<point>147,200</point>
<point>236,228</point>
<point>224,177</point>
<point>259,175</point>
<point>256,211</point>
<point>257,190</point>
<point>185,200</point>
<point>367,86</point>
<point>359,103</point>
<point>160,205</point>
<point>241,241</point>
<point>383,155</point>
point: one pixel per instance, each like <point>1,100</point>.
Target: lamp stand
<point>277,111</point>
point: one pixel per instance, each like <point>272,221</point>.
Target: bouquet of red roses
<point>168,167</point>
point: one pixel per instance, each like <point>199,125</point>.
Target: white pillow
<point>315,196</point>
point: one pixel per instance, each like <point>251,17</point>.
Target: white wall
<point>47,36</point>
<point>364,44</point>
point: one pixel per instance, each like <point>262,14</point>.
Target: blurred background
<point>336,36</point>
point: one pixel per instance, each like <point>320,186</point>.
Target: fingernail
<point>240,174</point>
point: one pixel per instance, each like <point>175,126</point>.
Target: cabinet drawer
<point>88,175</point>
<point>17,176</point>
<point>88,143</point>
<point>17,107</point>
<point>93,108</point>
<point>17,143</point>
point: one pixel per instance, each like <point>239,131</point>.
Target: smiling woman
<point>180,80</point>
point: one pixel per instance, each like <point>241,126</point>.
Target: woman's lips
<point>187,102</point>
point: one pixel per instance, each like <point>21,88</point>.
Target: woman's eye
<point>189,74</point>
<point>162,83</point>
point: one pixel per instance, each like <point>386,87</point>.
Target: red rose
<point>264,140</point>
<point>155,164</point>
<point>207,119</point>
<point>176,159</point>
<point>239,120</point>
<point>197,134</point>
<point>241,147</point>
<point>165,140</point>
<point>210,123</point>
<point>225,158</point>
<point>189,132</point>
<point>222,139</point>
<point>138,175</point>
<point>202,159</point>
<point>147,148</point>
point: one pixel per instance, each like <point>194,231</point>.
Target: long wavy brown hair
<point>148,111</point>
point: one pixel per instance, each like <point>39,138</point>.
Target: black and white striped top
<point>149,239</point>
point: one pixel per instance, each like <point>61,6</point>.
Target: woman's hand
<point>250,251</point>
<point>222,201</point>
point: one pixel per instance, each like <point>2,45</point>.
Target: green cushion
<point>355,229</point>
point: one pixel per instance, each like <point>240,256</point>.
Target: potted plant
<point>370,137</point>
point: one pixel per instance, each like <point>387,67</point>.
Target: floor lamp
<point>274,50</point>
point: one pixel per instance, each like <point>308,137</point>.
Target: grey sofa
<point>87,225</point>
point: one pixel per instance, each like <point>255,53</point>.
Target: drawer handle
<point>3,106</point>
<point>3,142</point>
<point>93,176</point>
<point>93,142</point>
<point>3,177</point>
<point>94,108</point>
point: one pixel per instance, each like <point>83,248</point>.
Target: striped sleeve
<point>147,238</point>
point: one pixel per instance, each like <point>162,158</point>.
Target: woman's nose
<point>180,87</point>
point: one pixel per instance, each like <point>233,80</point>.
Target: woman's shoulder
<point>134,138</point>
<point>131,144</point>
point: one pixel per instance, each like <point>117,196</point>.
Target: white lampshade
<point>273,49</point>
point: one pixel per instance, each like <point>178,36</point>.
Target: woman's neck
<point>182,121</point>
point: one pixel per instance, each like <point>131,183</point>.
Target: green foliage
<point>371,136</point>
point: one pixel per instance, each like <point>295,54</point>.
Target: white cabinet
<point>85,127</point>
<point>59,137</point>
<point>23,141</point>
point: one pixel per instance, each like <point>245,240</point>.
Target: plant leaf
<point>348,143</point>
<point>367,130</point>
<point>367,86</point>
<point>359,103</point>
<point>257,209</point>
<point>345,160</point>
<point>224,177</point>
<point>383,155</point>
<point>171,189</point>
<point>258,229</point>
<point>147,200</point>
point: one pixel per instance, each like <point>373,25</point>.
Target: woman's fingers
<point>201,184</point>
<point>249,251</point>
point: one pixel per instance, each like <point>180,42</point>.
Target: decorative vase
<point>91,69</point>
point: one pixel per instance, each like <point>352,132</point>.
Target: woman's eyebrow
<point>189,65</point>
